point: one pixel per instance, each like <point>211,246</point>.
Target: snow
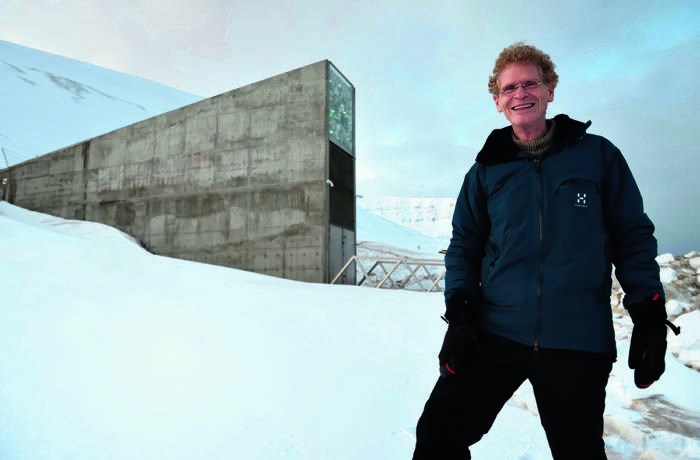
<point>695,263</point>
<point>111,352</point>
<point>667,275</point>
<point>374,228</point>
<point>665,258</point>
<point>675,307</point>
<point>686,346</point>
<point>429,216</point>
<point>77,100</point>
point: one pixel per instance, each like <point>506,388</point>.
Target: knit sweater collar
<point>500,148</point>
<point>538,146</point>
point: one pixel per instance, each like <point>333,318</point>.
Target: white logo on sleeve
<point>581,200</point>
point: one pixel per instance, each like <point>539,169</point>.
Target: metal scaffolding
<point>397,272</point>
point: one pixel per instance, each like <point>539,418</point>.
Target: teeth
<point>526,106</point>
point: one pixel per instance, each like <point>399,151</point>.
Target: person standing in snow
<point>542,215</point>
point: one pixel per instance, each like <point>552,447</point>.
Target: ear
<point>498,105</point>
<point>550,98</point>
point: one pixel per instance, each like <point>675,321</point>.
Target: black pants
<point>569,388</point>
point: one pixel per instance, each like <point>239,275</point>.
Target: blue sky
<point>423,110</point>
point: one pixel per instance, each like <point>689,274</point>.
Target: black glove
<point>648,344</point>
<point>461,339</point>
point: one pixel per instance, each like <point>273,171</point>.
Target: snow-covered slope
<point>111,352</point>
<point>50,102</point>
<point>430,216</point>
<point>394,239</point>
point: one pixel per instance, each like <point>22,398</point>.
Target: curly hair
<point>521,53</point>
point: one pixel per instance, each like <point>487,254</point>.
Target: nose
<point>520,91</point>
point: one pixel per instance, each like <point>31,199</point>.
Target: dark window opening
<point>342,193</point>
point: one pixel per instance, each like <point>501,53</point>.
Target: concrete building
<point>261,178</point>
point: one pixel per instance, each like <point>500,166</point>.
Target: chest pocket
<point>580,201</point>
<point>580,233</point>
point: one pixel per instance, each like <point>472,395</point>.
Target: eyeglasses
<point>527,86</point>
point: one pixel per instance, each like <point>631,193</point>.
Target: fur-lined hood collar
<point>500,148</point>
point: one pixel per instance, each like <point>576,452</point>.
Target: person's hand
<point>648,345</point>
<point>461,340</point>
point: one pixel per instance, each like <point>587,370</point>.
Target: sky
<point>420,73</point>
<point>196,361</point>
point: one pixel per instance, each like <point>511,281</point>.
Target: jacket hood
<point>500,148</point>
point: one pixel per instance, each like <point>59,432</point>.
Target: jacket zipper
<point>538,317</point>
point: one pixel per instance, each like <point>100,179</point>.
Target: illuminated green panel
<point>340,110</point>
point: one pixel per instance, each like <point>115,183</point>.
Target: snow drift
<point>111,352</point>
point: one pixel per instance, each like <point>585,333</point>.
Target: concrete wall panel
<point>169,136</point>
<point>200,132</point>
<point>108,150</point>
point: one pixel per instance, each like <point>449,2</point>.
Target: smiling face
<point>525,109</point>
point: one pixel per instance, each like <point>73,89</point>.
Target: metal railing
<point>405,267</point>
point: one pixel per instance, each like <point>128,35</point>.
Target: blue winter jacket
<point>534,239</point>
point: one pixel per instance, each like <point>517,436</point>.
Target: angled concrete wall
<point>238,180</point>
